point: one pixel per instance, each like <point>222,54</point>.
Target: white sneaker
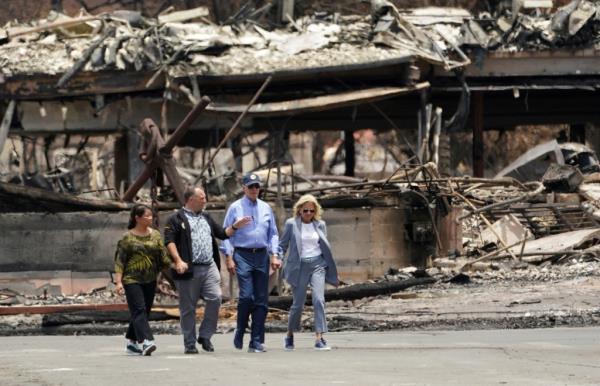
<point>133,348</point>
<point>148,347</point>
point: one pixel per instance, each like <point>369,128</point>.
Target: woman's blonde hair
<point>306,199</point>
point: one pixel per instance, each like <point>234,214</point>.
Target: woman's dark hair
<point>137,211</point>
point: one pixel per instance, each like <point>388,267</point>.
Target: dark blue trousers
<point>252,270</point>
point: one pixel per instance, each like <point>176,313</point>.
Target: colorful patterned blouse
<point>141,258</point>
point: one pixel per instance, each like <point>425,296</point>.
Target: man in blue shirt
<point>249,253</point>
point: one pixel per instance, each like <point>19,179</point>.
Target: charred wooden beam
<point>84,58</point>
<point>17,310</point>
<point>21,31</point>
<point>96,316</point>
<point>41,86</point>
<point>48,200</point>
<point>356,291</point>
<point>320,103</point>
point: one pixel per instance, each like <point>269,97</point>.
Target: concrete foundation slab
<point>76,250</point>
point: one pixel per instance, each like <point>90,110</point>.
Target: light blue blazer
<point>292,241</point>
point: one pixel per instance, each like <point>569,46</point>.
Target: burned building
<point>417,76</point>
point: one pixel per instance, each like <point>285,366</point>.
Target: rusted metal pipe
<point>185,125</point>
<point>235,125</point>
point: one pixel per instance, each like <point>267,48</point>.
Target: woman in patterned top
<point>140,256</point>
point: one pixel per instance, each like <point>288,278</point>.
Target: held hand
<point>242,222</point>
<point>181,266</point>
<point>230,265</point>
<point>338,283</point>
<point>119,288</point>
<point>275,263</point>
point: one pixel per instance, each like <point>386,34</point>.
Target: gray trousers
<point>205,283</point>
<point>311,271</point>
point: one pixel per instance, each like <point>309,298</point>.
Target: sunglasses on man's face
<point>253,186</point>
<point>308,211</point>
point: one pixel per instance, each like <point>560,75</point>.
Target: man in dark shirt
<point>190,239</point>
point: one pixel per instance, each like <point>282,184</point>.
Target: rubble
<point>508,228</point>
<point>570,26</point>
<point>184,49</point>
<point>536,222</point>
<point>562,178</point>
<point>504,297</point>
<point>533,164</point>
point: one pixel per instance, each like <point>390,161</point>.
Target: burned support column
<point>127,163</point>
<point>350,152</point>
<point>477,134</point>
<point>121,167</point>
<point>577,133</point>
<point>592,136</point>
<point>236,149</point>
<point>279,145</point>
<point>423,124</point>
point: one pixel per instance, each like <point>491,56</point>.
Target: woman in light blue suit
<point>309,262</point>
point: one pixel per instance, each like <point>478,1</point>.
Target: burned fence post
<point>350,152</point>
<point>478,134</point>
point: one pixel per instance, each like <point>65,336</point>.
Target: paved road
<point>560,356</point>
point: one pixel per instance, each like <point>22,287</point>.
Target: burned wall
<point>61,241</point>
<point>366,241</point>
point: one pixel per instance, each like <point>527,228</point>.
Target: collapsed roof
<point>125,41</point>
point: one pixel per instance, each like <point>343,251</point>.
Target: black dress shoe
<point>238,339</point>
<point>190,350</point>
<point>206,345</point>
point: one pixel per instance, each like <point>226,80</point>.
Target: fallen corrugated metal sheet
<point>557,243</point>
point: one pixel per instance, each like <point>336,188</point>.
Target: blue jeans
<point>252,270</point>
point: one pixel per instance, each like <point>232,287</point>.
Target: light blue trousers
<point>312,270</point>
